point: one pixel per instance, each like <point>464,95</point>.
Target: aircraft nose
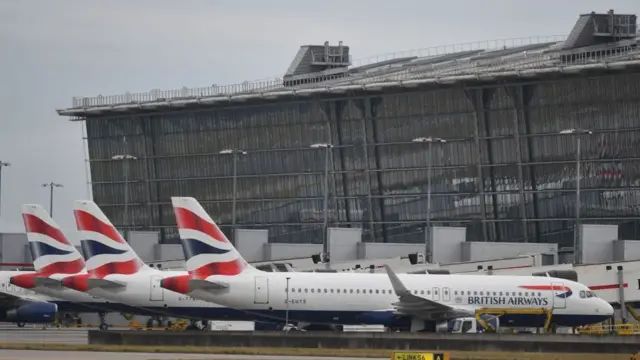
<point>608,309</point>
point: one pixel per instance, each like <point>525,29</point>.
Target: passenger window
<point>319,291</point>
<point>306,290</point>
<point>370,291</point>
<point>455,293</point>
<point>428,292</point>
<point>539,294</point>
<point>332,291</point>
<point>526,294</point>
<point>358,291</point>
<point>338,291</point>
<point>377,291</point>
<point>500,293</point>
<point>475,293</point>
<point>351,291</point>
<point>311,290</point>
<point>481,293</point>
<point>495,293</point>
<point>325,291</point>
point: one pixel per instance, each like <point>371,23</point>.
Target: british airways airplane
<point>416,302</point>
<point>55,259</point>
<point>116,273</point>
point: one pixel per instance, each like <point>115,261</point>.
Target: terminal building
<point>506,173</point>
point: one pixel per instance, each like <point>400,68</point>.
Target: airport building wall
<point>448,246</point>
<point>506,174</point>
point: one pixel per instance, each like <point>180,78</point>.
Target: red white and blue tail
<point>206,249</point>
<point>51,251</point>
<point>106,252</point>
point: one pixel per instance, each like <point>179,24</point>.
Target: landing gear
<point>103,323</point>
<point>21,324</point>
<point>157,321</point>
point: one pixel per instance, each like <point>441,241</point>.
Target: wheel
<point>21,324</point>
<point>104,327</point>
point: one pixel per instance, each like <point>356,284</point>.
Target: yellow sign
<point>419,356</point>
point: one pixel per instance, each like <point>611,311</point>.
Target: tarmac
<point>66,355</point>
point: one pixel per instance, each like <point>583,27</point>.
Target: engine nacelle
<point>34,313</point>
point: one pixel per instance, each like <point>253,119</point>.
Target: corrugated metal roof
<point>410,69</point>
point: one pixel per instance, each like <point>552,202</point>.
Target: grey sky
<point>53,50</point>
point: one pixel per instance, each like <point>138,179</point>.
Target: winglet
<point>398,286</point>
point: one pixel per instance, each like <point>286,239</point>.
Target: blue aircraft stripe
<point>39,249</point>
<point>193,247</point>
<point>91,248</point>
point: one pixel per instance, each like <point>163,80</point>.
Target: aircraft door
<point>559,296</point>
<point>446,294</point>
<point>156,292</point>
<point>436,294</point>
<point>261,290</point>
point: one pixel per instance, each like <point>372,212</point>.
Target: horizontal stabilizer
<point>206,285</point>
<point>47,282</point>
<point>103,284</point>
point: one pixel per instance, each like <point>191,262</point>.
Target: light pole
<point>235,153</point>
<point>576,232</point>
<point>2,164</point>
<point>427,239</point>
<point>286,316</point>
<point>325,210</point>
<point>125,169</point>
<point>51,185</point>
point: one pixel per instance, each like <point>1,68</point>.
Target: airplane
<point>116,273</point>
<point>416,302</point>
<point>54,259</point>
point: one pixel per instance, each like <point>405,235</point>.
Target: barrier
<point>545,343</point>
<point>419,356</point>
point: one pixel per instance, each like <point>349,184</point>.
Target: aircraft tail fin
<point>105,250</point>
<point>206,249</point>
<point>51,251</point>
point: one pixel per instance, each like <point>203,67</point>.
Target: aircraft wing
<point>413,305</point>
<point>8,300</point>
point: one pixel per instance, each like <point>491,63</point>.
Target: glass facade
<point>505,172</point>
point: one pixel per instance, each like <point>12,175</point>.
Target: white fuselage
<point>143,292</point>
<point>356,297</point>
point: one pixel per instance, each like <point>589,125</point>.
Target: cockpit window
<point>591,294</point>
<point>582,294</point>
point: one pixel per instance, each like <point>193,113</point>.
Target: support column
<point>515,92</point>
<point>527,92</point>
<point>365,107</point>
<point>477,97</point>
<point>333,111</point>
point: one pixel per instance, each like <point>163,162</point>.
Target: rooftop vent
<point>594,29</point>
<point>315,61</point>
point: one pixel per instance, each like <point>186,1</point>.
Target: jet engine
<point>35,313</point>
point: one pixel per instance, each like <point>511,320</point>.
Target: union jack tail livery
<point>105,250</point>
<point>206,249</point>
<point>50,250</point>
